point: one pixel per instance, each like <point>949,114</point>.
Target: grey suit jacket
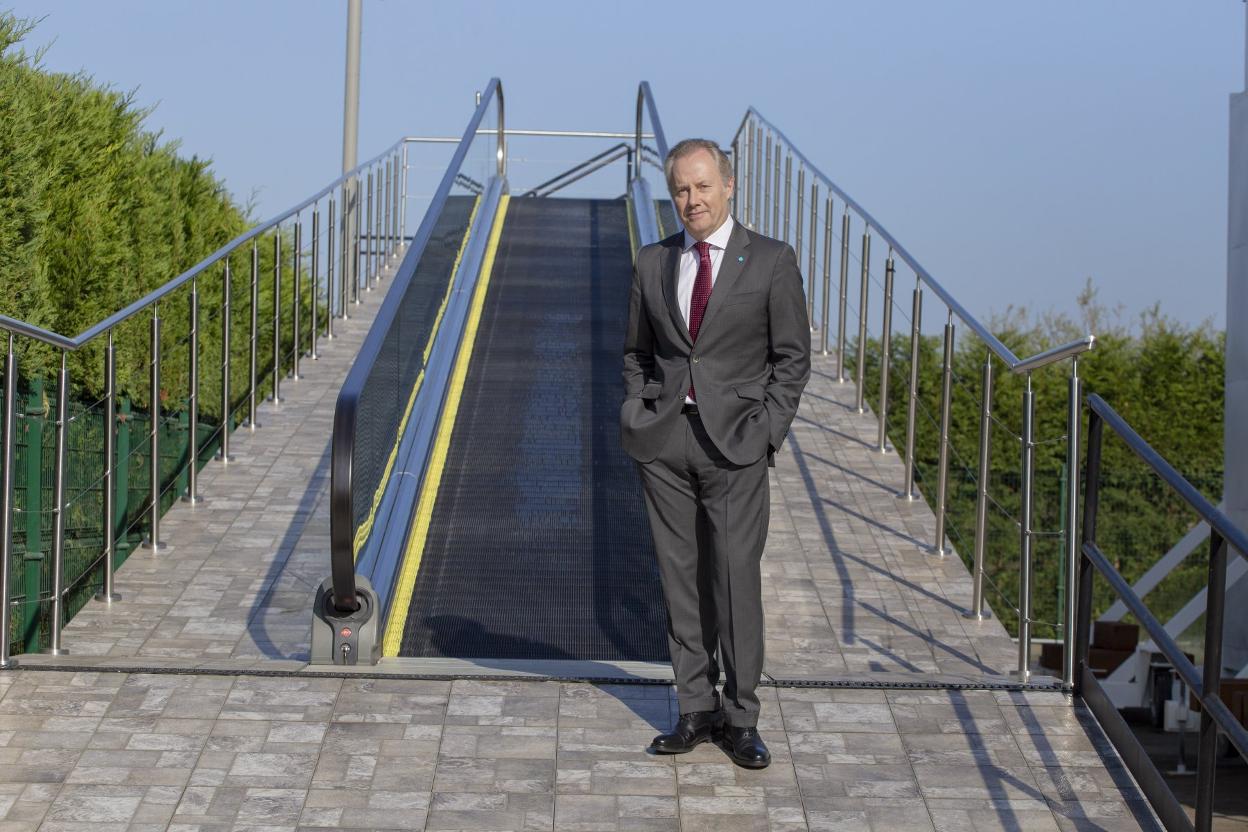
<point>751,361</point>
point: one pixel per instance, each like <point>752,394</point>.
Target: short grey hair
<point>688,146</point>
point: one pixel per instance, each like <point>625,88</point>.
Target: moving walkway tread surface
<point>539,547</point>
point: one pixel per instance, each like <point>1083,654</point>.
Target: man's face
<point>700,194</point>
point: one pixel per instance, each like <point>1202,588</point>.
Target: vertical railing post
<point>942,472</point>
<point>192,484</point>
<point>758,174</point>
<point>107,593</point>
<point>1091,502</point>
<point>886,354</point>
<point>223,452</point>
<point>1211,681</point>
<point>775,203</point>
<point>357,240</point>
<point>827,273</point>
<point>277,316</point>
<point>977,611</point>
<point>57,598</point>
<point>844,296</point>
<point>368,235</point>
<point>329,272</point>
<point>154,542</point>
<point>316,281</point>
<point>737,180</point>
<point>36,418</point>
<point>1073,424</point>
<point>788,191</point>
<point>861,369</point>
<point>767,200</point>
<point>387,203</point>
<point>6,502</point>
<point>253,341</point>
<point>403,198</point>
<point>296,263</point>
<point>801,204</point>
<point>812,248</point>
<point>1024,577</point>
<point>912,398</point>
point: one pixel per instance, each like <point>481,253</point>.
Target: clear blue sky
<point>1014,148</point>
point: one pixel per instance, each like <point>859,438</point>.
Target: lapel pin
<point>741,258</point>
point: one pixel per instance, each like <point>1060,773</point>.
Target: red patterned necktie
<point>701,294</point>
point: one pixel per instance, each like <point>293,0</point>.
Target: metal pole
<point>55,647</point>
<point>1024,580</point>
<point>841,311</point>
<point>767,200</point>
<point>861,369</point>
<point>1207,755</point>
<point>192,489</point>
<point>942,473</point>
<point>886,356</point>
<point>253,352</point>
<point>351,94</point>
<point>108,593</point>
<point>315,277</point>
<point>977,610</point>
<point>827,272</point>
<point>154,542</point>
<point>1073,423</point>
<point>297,266</point>
<point>912,403</point>
<point>223,453</point>
<point>6,501</point>
<point>788,191</point>
<point>329,272</point>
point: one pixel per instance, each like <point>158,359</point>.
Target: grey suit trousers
<point>709,520</point>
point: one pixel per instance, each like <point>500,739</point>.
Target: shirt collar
<point>719,239</point>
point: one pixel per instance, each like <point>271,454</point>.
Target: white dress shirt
<point>689,264</point>
<point>689,268</point>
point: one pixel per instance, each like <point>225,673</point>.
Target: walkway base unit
<point>346,638</point>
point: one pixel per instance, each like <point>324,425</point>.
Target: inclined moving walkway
<point>481,505</point>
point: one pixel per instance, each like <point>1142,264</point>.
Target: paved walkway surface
<point>159,717</point>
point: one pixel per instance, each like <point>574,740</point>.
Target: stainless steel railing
<point>340,265</point>
<point>757,150</point>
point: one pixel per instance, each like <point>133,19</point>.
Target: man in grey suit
<point>716,355</point>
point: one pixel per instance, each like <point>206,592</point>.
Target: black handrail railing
<point>581,170</point>
<point>342,484</point>
<point>1215,716</point>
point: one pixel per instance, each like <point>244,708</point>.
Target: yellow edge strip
<point>405,585</point>
<point>366,527</point>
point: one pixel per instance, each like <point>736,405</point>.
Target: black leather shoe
<point>746,747</point>
<point>690,731</point>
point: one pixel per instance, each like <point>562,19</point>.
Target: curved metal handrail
<point>645,99</point>
<point>341,489</point>
<point>1012,361</point>
<point>76,342</point>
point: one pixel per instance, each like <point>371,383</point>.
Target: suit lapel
<point>671,278</point>
<point>736,258</point>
